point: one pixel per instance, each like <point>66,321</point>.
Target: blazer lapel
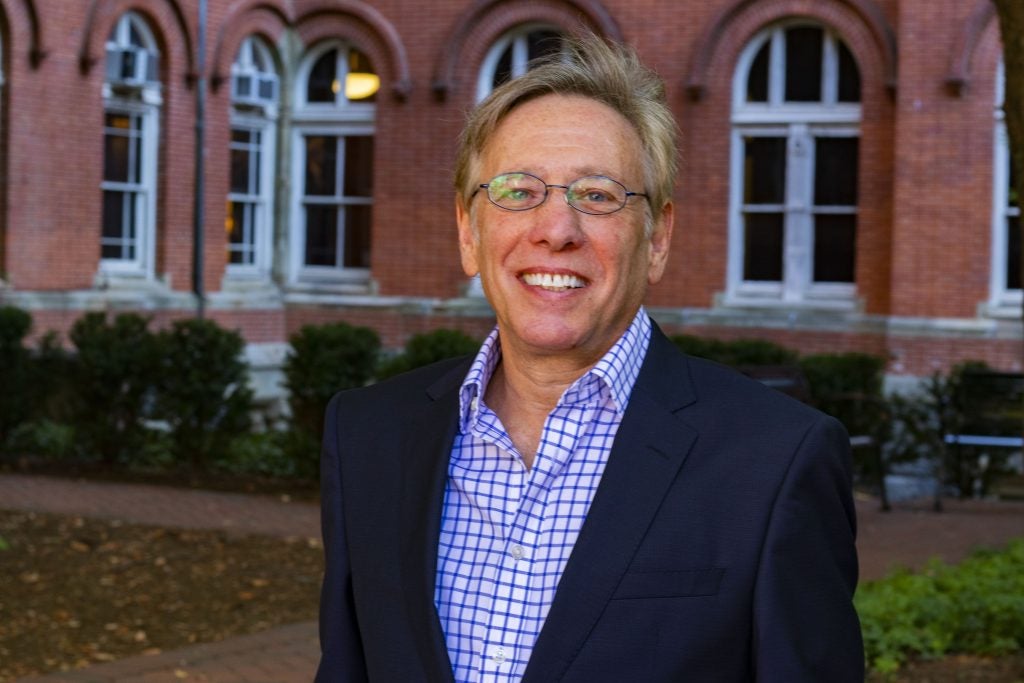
<point>427,450</point>
<point>650,447</point>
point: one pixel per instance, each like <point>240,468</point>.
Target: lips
<point>554,282</point>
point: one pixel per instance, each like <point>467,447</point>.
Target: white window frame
<point>517,39</point>
<point>799,123</point>
<point>1003,302</point>
<point>145,104</point>
<point>261,120</point>
<point>338,119</point>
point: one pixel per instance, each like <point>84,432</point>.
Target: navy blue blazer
<point>719,545</point>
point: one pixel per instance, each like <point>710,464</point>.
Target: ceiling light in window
<point>360,85</point>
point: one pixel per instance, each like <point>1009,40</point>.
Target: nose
<point>556,225</point>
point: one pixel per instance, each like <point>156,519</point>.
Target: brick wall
<point>924,213</point>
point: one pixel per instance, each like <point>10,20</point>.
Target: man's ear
<point>661,239</point>
<point>468,243</point>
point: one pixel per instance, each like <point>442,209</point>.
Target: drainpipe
<point>198,286</point>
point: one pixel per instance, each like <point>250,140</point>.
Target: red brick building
<point>844,185</point>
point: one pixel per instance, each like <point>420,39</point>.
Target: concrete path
<point>908,536</point>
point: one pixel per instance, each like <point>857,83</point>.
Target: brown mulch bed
<point>76,591</point>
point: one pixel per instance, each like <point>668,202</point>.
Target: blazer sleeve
<point>341,648</point>
<point>805,625</point>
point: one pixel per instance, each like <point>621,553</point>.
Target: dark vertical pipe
<point>198,285</point>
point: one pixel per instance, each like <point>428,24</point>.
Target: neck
<point>525,389</point>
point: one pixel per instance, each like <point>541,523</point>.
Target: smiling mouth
<point>553,282</point>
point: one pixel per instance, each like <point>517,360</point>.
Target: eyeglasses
<point>593,194</point>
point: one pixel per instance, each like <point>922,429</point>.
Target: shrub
<point>15,373</point>
<point>202,391</point>
<point>113,378</point>
<point>325,359</point>
<point>848,386</point>
<point>736,353</point>
<point>976,608</point>
<point>429,347</point>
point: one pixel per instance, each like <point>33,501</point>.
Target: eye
<point>514,189</point>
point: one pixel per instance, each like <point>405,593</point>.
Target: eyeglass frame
<point>548,186</point>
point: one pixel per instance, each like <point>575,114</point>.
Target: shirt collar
<point>617,370</point>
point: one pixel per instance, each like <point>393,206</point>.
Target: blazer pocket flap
<point>670,584</point>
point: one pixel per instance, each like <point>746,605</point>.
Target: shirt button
<point>498,655</point>
<point>517,552</point>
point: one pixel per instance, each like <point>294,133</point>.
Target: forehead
<point>564,135</point>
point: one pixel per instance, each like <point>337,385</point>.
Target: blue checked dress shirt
<point>507,532</point>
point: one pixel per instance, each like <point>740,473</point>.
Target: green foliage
<point>976,607</point>
<point>736,353</point>
<point>921,421</point>
<point>429,347</point>
<point>280,454</point>
<point>324,360</point>
<point>113,383</point>
<point>45,438</point>
<point>847,386</point>
<point>202,391</point>
<point>15,373</point>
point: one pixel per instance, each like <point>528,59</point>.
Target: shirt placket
<point>518,599</point>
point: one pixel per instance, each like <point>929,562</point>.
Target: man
<point>580,501</point>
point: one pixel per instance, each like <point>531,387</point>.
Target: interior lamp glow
<point>360,85</point>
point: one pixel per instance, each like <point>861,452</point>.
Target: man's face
<point>563,282</point>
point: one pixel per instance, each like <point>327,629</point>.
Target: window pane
<point>359,166</point>
<point>762,249</point>
<point>1013,243</point>
<point>543,43</point>
<point>835,171</point>
<point>240,169</point>
<point>764,171</point>
<point>757,80</point>
<point>117,240</point>
<point>357,236</point>
<point>321,165</point>
<point>849,76</point>
<point>240,233</point>
<point>834,244</point>
<point>116,162</point>
<point>803,64</point>
<point>323,84</point>
<point>321,235</point>
<point>503,69</point>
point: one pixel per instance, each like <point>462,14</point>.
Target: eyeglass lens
<point>590,194</point>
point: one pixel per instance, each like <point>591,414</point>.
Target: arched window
<point>333,165</point>
<point>1006,235</point>
<point>131,97</point>
<point>511,55</point>
<point>254,100</point>
<point>793,219</point>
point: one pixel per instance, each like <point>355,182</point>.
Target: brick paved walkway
<point>907,536</point>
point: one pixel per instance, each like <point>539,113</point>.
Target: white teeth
<point>551,281</point>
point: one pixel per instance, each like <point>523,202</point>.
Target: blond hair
<point>592,67</point>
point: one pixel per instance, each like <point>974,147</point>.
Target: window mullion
<point>829,70</point>
<point>798,229</point>
<point>777,68</point>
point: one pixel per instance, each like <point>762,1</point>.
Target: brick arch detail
<point>368,29</point>
<point>846,16</point>
<point>967,42</point>
<point>484,21</point>
<point>243,19</point>
<point>102,13</point>
<point>29,15</point>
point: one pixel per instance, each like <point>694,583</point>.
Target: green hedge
<point>429,347</point>
<point>976,607</point>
